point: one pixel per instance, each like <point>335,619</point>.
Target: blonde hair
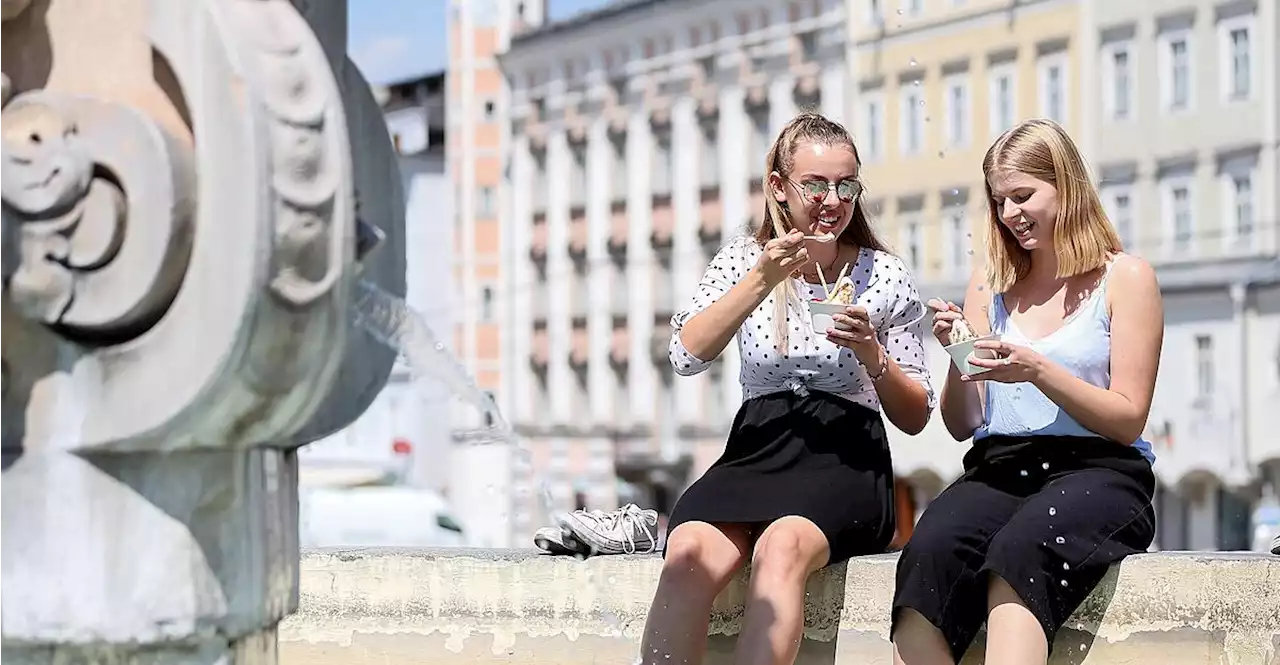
<point>1083,237</point>
<point>813,128</point>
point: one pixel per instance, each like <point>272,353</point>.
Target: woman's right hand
<point>944,317</point>
<point>781,257</point>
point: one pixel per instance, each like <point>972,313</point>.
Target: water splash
<point>402,329</point>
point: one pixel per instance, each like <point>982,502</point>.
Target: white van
<point>376,516</point>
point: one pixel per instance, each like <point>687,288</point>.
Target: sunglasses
<point>817,190</point>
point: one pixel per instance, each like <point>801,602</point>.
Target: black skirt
<point>1048,514</point>
<point>817,456</point>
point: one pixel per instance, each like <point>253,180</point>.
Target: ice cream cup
<point>960,355</point>
<point>820,314</point>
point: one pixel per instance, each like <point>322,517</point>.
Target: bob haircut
<point>1083,236</point>
<point>807,127</point>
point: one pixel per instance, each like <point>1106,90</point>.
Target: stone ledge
<point>390,606</point>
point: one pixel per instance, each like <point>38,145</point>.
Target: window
<point>959,247</point>
<point>709,160</point>
<point>486,304</point>
<point>911,244</point>
<point>485,203</point>
<point>1002,99</point>
<point>875,13</point>
<point>873,131</point>
<point>1053,88</point>
<point>1176,83</point>
<point>912,121</point>
<point>912,7</point>
<point>578,177</point>
<point>618,182</point>
<point>1121,213</point>
<point>1179,215</point>
<point>1236,54</point>
<point>957,112</point>
<point>1119,82</point>
<point>662,164</point>
<point>1204,368</point>
<point>1239,194</point>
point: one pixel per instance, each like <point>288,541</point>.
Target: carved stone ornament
<point>307,138</point>
<point>68,162</point>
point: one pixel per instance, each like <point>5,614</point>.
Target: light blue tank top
<point>1082,346</point>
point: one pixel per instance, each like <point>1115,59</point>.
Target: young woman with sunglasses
<point>805,479</point>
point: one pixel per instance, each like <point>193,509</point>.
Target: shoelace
<point>630,519</point>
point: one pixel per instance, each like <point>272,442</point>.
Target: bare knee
<point>789,549</point>
<point>700,557</point>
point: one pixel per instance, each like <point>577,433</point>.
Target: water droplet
<point>1064,582</point>
<point>1045,466</point>
<point>922,102</point>
<point>1023,473</point>
<point>955,192</point>
<point>942,153</point>
<point>1065,565</point>
<point>1033,580</point>
<point>1083,647</point>
<point>1053,511</point>
<point>969,252</point>
<point>1059,540</point>
<point>916,83</point>
<point>913,61</point>
<point>900,12</point>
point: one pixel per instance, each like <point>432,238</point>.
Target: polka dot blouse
<point>811,361</point>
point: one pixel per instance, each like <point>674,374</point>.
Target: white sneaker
<point>556,540</point>
<point>1275,546</point>
<point>627,530</point>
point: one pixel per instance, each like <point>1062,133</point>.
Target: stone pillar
<point>559,276</point>
<point>522,283</point>
<point>735,197</point>
<point>686,251</point>
<point>180,209</point>
<point>600,286</point>
<point>640,266</point>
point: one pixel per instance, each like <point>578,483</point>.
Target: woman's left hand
<point>1012,364</point>
<point>854,331</point>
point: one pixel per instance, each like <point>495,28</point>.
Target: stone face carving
<point>68,162</point>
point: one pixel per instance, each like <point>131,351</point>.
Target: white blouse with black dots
<point>881,283</point>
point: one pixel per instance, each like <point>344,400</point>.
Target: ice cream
<point>843,293</point>
<point>962,332</point>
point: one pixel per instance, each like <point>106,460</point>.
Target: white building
<point>638,134</point>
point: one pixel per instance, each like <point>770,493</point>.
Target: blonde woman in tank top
<point>1058,484</point>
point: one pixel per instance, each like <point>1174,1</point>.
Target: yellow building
<point>936,83</point>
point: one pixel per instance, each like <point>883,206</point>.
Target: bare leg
<point>786,554</point>
<point>1014,635</point>
<point>701,559</point>
<point>918,642</point>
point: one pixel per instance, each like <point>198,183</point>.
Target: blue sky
<point>391,40</point>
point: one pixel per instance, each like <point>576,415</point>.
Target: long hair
<point>1083,237</point>
<point>807,127</point>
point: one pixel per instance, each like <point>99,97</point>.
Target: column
<point>832,84</point>
<point>686,263</point>
<point>599,274</point>
<point>735,199</point>
<point>1087,109</point>
<point>559,274</point>
<point>640,266</point>
<point>517,298</point>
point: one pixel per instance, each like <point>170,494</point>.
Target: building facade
<point>1182,127</point>
<point>636,148</point>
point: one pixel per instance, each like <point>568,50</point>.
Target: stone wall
<point>390,606</point>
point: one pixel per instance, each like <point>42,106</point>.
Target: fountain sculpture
<point>191,190</point>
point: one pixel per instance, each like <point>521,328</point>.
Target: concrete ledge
<point>390,606</point>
